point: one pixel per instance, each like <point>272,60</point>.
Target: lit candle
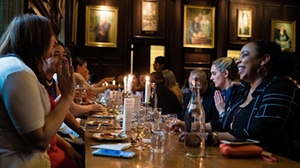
<point>125,84</point>
<point>129,83</point>
<point>147,85</point>
<point>114,82</point>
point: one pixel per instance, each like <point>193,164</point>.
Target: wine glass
<point>171,119</point>
<point>80,93</point>
<point>140,129</point>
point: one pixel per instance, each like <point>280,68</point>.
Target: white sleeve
<point>26,101</point>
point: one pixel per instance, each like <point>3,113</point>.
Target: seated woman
<point>266,108</point>
<point>136,87</point>
<point>166,99</point>
<point>81,75</point>
<point>224,74</point>
<point>171,83</point>
<point>52,86</point>
<point>28,123</point>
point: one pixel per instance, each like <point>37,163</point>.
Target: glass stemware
<point>171,119</point>
<point>140,129</point>
<point>80,93</point>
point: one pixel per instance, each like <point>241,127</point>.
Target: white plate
<point>109,136</point>
<point>100,115</point>
<point>96,123</point>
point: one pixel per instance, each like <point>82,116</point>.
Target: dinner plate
<point>96,123</point>
<point>101,115</point>
<point>109,136</point>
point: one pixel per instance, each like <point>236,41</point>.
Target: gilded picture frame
<point>101,26</point>
<point>149,15</point>
<point>244,23</point>
<point>199,27</point>
<point>74,21</point>
<point>284,34</point>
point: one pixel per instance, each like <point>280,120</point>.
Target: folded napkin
<point>248,150</point>
<point>119,146</point>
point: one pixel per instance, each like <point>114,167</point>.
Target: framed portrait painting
<point>149,15</point>
<point>199,27</point>
<point>244,23</point>
<point>101,26</point>
<point>284,34</point>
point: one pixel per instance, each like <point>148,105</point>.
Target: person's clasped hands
<point>219,101</point>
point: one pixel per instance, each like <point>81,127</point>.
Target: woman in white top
<point>27,123</point>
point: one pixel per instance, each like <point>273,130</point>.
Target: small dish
<point>109,136</point>
<point>96,123</point>
<point>101,115</point>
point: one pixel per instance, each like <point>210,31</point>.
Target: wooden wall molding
<point>52,9</point>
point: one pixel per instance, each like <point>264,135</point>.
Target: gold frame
<point>74,21</point>
<point>93,14</point>
<point>201,39</point>
<point>290,27</point>
<point>148,18</point>
<point>244,17</point>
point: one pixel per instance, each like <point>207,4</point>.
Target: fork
<point>99,125</point>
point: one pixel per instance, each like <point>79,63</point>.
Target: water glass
<point>80,93</point>
<point>157,142</point>
<point>171,119</point>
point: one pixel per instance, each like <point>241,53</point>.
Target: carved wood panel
<point>233,21</point>
<point>52,9</point>
<point>137,20</point>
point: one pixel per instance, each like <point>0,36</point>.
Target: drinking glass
<point>171,119</point>
<point>140,130</point>
<point>156,115</point>
<point>80,93</point>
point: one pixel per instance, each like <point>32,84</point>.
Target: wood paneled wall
<point>107,61</point>
<point>115,61</point>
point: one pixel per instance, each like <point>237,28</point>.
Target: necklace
<point>237,111</point>
<point>49,83</point>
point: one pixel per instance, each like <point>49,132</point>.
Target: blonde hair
<point>229,64</point>
<point>171,83</point>
<point>169,78</point>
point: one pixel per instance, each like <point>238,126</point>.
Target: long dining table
<point>173,156</point>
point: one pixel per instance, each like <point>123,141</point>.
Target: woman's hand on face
<point>219,101</point>
<point>66,82</point>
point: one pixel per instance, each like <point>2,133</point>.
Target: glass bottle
<point>194,137</point>
<point>157,135</point>
<point>153,97</point>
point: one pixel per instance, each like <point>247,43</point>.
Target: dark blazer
<point>208,103</point>
<point>272,117</point>
<point>167,100</point>
<point>216,125</point>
